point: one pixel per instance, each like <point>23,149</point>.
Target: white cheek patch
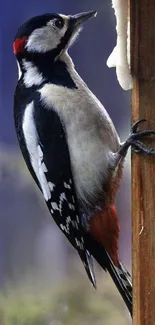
<point>32,76</point>
<point>46,38</point>
<point>35,151</point>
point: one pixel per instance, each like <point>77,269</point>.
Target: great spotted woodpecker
<point>70,144</point>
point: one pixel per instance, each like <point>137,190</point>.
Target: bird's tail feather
<point>123,282</point>
<point>88,264</point>
<point>119,274</point>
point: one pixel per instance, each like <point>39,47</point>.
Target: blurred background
<point>42,280</point>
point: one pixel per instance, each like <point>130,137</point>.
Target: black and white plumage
<point>47,157</point>
<point>69,143</point>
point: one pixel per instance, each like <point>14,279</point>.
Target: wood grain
<point>142,13</point>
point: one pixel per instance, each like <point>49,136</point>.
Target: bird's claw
<point>134,140</point>
<point>136,124</point>
<point>139,147</point>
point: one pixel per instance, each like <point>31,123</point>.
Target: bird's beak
<point>81,18</point>
<point>74,26</point>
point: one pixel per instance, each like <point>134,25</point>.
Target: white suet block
<point>120,56</point>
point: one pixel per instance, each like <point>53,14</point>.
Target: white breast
<point>92,138</point>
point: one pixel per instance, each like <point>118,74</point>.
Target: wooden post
<point>142,15</point>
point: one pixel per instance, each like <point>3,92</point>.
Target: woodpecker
<point>70,144</point>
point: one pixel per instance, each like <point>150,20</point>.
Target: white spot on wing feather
<point>67,186</point>
<point>65,228</point>
<point>77,218</point>
<point>61,200</point>
<point>54,206</point>
<point>71,206</point>
<point>79,244</point>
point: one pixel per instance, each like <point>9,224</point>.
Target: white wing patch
<point>35,151</point>
<point>51,186</point>
<point>43,181</point>
<point>40,169</point>
<point>19,71</point>
<point>41,163</point>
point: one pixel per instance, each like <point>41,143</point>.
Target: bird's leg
<point>134,141</point>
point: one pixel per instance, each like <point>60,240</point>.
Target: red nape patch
<point>104,227</point>
<point>19,45</point>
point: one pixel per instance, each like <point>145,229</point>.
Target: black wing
<point>58,185</point>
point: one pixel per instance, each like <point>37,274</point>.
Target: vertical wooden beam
<point>142,15</point>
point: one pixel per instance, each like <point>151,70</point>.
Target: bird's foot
<point>134,140</point>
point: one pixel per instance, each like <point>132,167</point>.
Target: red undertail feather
<point>104,227</point>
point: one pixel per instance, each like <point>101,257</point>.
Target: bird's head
<point>49,33</point>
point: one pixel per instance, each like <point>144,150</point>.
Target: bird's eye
<point>58,23</point>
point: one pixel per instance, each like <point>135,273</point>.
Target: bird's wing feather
<point>119,273</point>
<point>47,157</point>
<point>54,163</point>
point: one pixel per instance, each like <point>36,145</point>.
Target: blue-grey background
<point>29,241</point>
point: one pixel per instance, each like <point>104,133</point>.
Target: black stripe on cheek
<point>65,39</point>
